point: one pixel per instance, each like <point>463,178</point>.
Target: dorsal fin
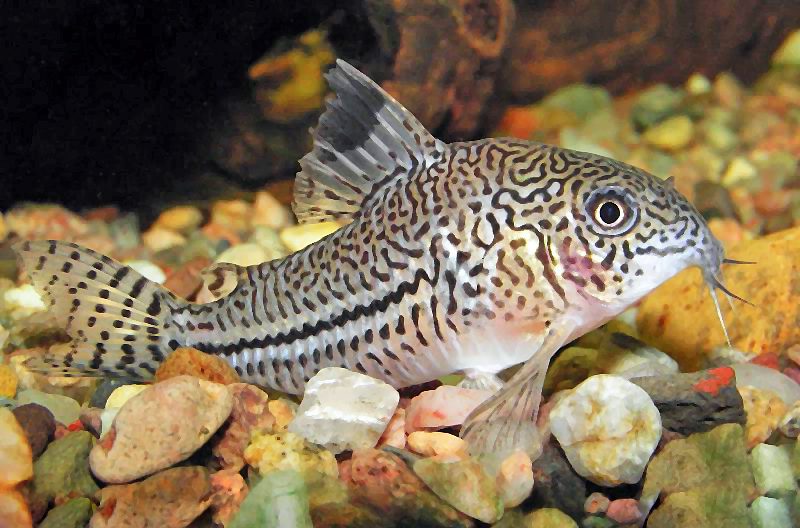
<point>364,139</point>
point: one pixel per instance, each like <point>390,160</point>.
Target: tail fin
<point>119,322</point>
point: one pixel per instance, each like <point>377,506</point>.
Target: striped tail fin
<point>119,322</point>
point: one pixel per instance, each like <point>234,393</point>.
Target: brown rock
<point>38,423</point>
<point>229,490</point>
<point>557,484</point>
<point>170,499</point>
<point>250,413</point>
<point>679,317</point>
<point>383,482</point>
<point>696,402</point>
<point>191,362</point>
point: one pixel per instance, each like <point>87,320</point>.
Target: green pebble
<point>279,500</point>
<point>549,518</point>
<point>581,99</point>
<point>65,410</point>
<point>464,485</point>
<point>772,470</point>
<point>73,514</point>
<point>789,52</point>
<point>655,104</point>
<point>63,469</point>
<point>766,512</point>
<point>595,521</point>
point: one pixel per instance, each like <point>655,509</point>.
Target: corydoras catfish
<point>466,257</point>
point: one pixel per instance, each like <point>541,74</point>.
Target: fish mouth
<point>712,272</point>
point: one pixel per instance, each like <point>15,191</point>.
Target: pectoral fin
<point>506,422</point>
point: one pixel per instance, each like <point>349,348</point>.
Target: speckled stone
<point>159,427</point>
<point>250,414</point>
<point>172,498</point>
<point>188,361</point>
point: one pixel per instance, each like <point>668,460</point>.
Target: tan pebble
<point>247,254</point>
<point>169,499</point>
<point>121,395</point>
<point>3,228</point>
<point>181,219</point>
<point>515,479</point>
<point>282,412</point>
<point>764,411</point>
<point>596,503</point>
<point>16,459</point>
<point>671,134</point>
<point>157,239</point>
<point>8,381</point>
<point>437,444</point>
<point>297,237</point>
<point>268,211</point>
<point>188,361</point>
<point>163,425</point>
<point>233,214</point>
<point>14,512</point>
<point>793,353</point>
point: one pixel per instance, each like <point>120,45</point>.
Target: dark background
<point>113,102</point>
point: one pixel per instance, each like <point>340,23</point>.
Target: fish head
<point>628,232</point>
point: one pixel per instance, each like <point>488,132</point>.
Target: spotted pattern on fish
<point>465,257</point>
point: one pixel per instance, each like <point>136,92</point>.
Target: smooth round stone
<point>158,239</point>
<point>297,237</point>
<point>428,443</point>
<point>16,460</point>
<point>38,424</point>
<point>105,389</point>
<point>181,219</point>
<point>121,395</point>
<point>608,428</point>
<point>269,212</point>
<point>159,427</point>
<point>65,410</point>
<point>247,254</point>
<point>148,270</point>
<point>515,479</point>
<point>671,134</point>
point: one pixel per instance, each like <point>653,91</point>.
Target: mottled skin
<point>468,257</point>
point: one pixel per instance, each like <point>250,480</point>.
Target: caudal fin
<point>119,322</point>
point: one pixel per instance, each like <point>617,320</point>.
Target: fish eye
<point>612,211</point>
<point>609,213</point>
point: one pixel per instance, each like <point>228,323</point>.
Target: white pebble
<point>608,428</point>
<point>344,410</point>
<point>148,270</point>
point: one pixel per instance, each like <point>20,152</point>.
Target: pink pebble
<point>624,511</point>
<point>596,503</point>
<point>443,407</point>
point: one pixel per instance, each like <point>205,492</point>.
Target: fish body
<point>464,257</point>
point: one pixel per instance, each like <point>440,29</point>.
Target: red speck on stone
<point>768,360</point>
<point>75,426</point>
<point>662,321</point>
<point>624,511</point>
<point>107,509</point>
<point>438,414</point>
<point>793,373</point>
<point>107,441</point>
<point>716,379</point>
